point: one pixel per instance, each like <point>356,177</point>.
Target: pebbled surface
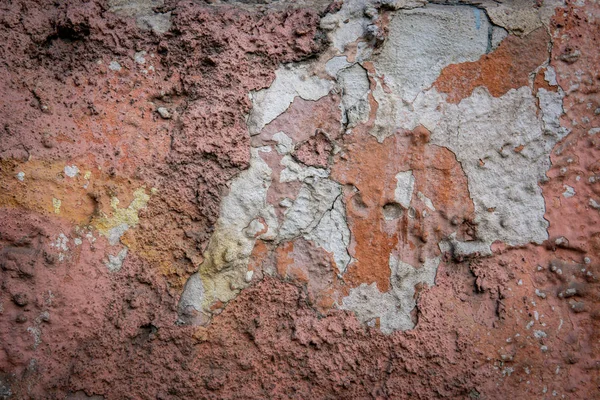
<point>274,199</point>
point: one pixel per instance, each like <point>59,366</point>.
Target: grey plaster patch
<point>315,198</point>
<point>405,183</point>
<point>518,17</point>
<point>423,41</point>
<point>290,81</point>
<point>498,35</point>
<point>190,302</point>
<point>355,85</point>
<point>114,263</point>
<point>223,271</point>
<point>143,12</point>
<point>335,65</point>
<point>394,307</point>
<point>550,76</point>
<point>294,171</point>
<point>157,22</point>
<point>285,144</point>
<point>332,234</point>
<point>552,109</point>
<point>483,132</point>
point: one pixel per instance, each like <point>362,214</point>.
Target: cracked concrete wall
<point>311,199</point>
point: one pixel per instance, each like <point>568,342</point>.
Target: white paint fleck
<point>114,263</point>
<point>164,112</point>
<point>20,176</point>
<point>71,171</point>
<point>114,66</point>
<point>529,324</point>
<point>539,334</point>
<point>569,191</point>
<point>36,333</point>
<point>139,57</point>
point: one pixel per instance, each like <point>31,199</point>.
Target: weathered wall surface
<point>278,199</point>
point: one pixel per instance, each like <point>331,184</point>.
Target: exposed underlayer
<point>299,199</point>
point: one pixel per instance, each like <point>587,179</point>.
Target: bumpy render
<point>300,199</point>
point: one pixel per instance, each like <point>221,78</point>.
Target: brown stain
<point>506,68</point>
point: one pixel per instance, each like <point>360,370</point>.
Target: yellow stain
<point>56,205</point>
<point>120,216</point>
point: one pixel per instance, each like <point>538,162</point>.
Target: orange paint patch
<point>506,68</point>
<point>368,168</point>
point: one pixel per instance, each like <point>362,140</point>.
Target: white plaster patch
<point>294,171</point>
<point>332,234</point>
<point>347,25</point>
<point>426,200</point>
<point>483,132</point>
<point>223,272</point>
<point>405,183</point>
<point>114,234</point>
<point>20,176</point>
<point>290,81</point>
<point>315,198</point>
<point>285,144</point>
<point>550,76</point>
<point>394,307</point>
<point>354,82</point>
<point>335,65</point>
<point>423,41</point>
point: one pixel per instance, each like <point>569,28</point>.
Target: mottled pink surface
<point>72,328</point>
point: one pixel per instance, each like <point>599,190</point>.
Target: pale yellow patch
<point>129,216</point>
<point>56,205</point>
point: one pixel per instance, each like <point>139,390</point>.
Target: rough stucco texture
<point>299,199</point>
